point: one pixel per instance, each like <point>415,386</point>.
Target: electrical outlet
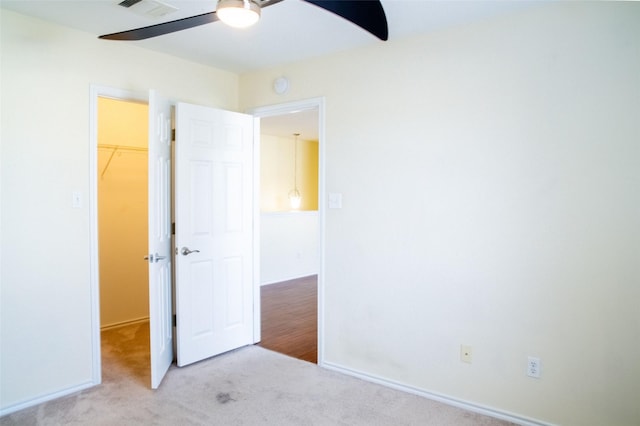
<point>465,353</point>
<point>533,367</point>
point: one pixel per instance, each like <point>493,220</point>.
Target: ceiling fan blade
<point>172,26</point>
<point>367,14</point>
<point>163,28</point>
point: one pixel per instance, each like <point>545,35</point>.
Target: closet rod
<point>115,149</point>
<point>123,147</point>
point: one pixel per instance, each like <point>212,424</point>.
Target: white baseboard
<point>44,398</point>
<point>465,405</point>
<point>124,323</point>
<point>48,397</point>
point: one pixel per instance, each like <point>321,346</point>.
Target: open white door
<point>214,231</point>
<point>160,323</point>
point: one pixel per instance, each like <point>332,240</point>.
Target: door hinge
<point>174,320</point>
<point>173,228</point>
<point>173,135</point>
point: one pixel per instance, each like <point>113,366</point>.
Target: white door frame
<point>284,109</point>
<point>94,263</point>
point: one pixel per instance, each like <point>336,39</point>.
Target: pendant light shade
<point>295,199</point>
<point>238,13</point>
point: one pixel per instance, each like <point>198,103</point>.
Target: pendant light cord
<point>295,161</point>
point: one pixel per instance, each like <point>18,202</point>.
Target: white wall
<point>46,73</point>
<point>490,176</point>
<point>288,246</point>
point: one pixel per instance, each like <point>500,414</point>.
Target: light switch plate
<point>335,200</point>
<point>76,199</point>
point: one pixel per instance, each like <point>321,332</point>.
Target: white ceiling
<point>285,125</point>
<point>288,31</point>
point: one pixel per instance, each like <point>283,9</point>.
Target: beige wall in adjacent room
<point>122,211</point>
<point>277,173</point>
<point>288,238</point>
<point>490,177</point>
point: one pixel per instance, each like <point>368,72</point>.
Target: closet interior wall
<point>122,212</point>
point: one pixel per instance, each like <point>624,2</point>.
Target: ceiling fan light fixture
<point>238,13</point>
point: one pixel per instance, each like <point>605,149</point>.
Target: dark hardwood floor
<point>290,318</point>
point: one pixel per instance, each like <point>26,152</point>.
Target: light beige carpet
<point>249,386</point>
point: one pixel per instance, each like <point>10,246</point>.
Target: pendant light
<point>238,13</point>
<point>294,195</point>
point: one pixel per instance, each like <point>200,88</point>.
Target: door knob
<point>154,258</point>
<point>185,251</point>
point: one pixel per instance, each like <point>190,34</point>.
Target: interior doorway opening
<point>291,151</point>
<point>122,187</point>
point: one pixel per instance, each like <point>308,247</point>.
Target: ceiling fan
<point>367,14</point>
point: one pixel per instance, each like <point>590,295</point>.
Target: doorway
<point>122,181</point>
<point>159,259</point>
<point>291,238</point>
<point>97,92</point>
